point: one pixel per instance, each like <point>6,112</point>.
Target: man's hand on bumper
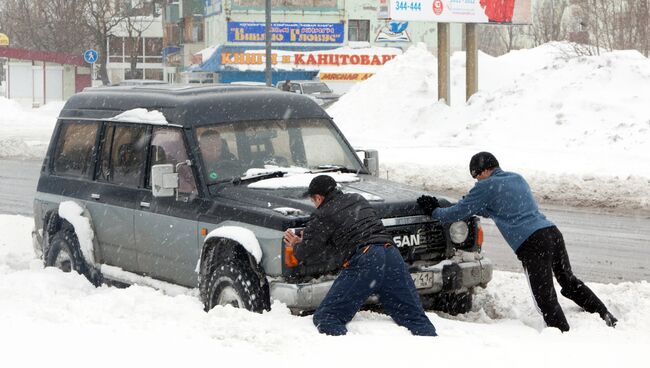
<point>291,239</point>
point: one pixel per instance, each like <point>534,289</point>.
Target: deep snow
<point>50,318</point>
<point>576,127</point>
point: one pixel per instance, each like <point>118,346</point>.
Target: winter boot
<point>609,319</point>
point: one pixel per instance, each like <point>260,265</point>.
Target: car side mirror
<point>371,160</point>
<point>164,181</point>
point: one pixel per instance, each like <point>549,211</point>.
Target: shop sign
<point>4,40</point>
<point>245,58</point>
<point>463,11</point>
<point>345,76</point>
<point>393,31</point>
<point>329,33</point>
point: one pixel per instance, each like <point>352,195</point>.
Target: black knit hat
<point>480,162</point>
<point>322,184</point>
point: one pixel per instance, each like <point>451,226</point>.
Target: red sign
<point>437,7</point>
<point>306,59</point>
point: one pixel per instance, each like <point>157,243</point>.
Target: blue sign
<point>91,56</point>
<point>331,33</point>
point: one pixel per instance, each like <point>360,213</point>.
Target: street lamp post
<point>267,35</point>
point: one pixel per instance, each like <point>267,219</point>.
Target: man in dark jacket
<point>507,199</point>
<point>346,224</point>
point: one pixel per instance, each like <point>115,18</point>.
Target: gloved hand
<point>428,204</point>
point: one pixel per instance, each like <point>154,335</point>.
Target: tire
<point>235,283</point>
<point>64,253</point>
<point>451,303</point>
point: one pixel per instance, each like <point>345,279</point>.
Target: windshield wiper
<point>248,179</point>
<point>330,168</point>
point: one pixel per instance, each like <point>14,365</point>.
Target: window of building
<point>74,149</point>
<point>123,155</point>
<point>155,74</point>
<point>115,49</point>
<point>358,30</point>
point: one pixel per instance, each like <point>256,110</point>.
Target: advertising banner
<point>463,11</point>
<point>321,33</point>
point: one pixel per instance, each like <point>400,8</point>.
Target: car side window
<point>74,149</point>
<point>168,147</point>
<point>295,87</point>
<point>123,155</point>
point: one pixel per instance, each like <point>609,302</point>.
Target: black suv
<point>199,192</point>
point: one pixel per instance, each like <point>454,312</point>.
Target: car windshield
<point>243,149</point>
<point>309,88</point>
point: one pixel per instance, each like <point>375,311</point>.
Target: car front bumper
<point>449,276</point>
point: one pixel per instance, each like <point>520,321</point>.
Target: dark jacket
<point>343,223</point>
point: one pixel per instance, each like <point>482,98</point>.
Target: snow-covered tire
<point>451,303</point>
<point>63,252</point>
<point>234,283</point>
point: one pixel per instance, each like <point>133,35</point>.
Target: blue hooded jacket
<point>504,197</point>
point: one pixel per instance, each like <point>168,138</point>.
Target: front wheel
<point>234,283</point>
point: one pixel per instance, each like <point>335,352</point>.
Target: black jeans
<point>542,255</point>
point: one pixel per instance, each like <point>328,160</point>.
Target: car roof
<point>193,105</point>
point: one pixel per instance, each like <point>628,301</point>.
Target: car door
<point>118,179</point>
<point>166,228</point>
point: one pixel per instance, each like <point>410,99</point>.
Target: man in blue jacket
<point>506,198</point>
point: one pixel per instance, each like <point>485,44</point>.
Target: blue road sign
<point>90,56</point>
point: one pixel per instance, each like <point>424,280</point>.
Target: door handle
<point>95,196</point>
<point>145,204</point>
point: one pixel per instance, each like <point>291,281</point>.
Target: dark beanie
<point>480,162</point>
<point>322,184</point>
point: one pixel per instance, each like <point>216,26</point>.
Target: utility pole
<point>267,35</point>
<point>443,63</point>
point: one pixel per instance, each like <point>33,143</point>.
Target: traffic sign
<point>91,56</point>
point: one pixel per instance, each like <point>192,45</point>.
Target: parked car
<point>194,187</point>
<point>141,82</point>
<point>319,91</point>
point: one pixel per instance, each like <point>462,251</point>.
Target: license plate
<point>422,280</point>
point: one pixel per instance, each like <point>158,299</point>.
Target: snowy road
<point>603,247</point>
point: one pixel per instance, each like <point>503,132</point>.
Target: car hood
<point>390,199</point>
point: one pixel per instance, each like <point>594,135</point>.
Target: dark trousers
<point>542,255</point>
<point>381,271</point>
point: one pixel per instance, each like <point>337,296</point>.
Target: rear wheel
<point>64,253</point>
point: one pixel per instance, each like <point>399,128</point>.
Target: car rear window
<point>74,149</point>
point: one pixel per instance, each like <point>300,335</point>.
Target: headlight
<point>458,232</point>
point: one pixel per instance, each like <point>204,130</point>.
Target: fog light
<point>458,232</point>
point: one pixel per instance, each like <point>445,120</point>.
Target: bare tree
<point>51,25</point>
<point>548,22</point>
<point>102,17</point>
<point>136,23</point>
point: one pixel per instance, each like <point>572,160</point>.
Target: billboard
<point>463,11</point>
<point>331,33</point>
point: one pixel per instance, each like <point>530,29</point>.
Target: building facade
<point>341,36</point>
<point>138,40</point>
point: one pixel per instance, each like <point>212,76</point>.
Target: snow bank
<point>25,133</point>
<point>55,312</point>
<point>142,116</point>
<point>577,126</point>
<point>242,236</point>
<point>73,213</point>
